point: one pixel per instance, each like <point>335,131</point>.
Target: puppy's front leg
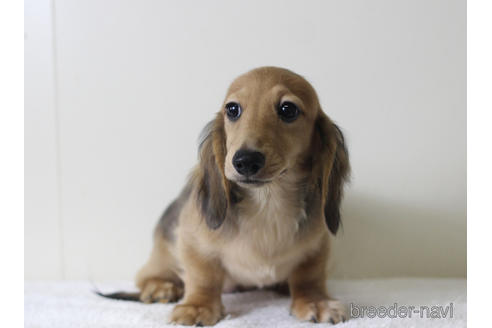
<point>202,303</point>
<point>310,300</point>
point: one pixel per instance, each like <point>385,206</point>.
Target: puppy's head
<point>271,124</point>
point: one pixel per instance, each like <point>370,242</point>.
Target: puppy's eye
<point>288,111</point>
<point>233,110</point>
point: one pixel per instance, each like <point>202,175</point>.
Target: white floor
<point>72,304</point>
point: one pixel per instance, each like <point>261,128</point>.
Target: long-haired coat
<point>258,208</point>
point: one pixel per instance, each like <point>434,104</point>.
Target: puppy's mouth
<point>253,182</point>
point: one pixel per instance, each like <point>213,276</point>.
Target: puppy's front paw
<point>200,315</point>
<point>325,310</point>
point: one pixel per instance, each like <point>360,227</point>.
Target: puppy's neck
<point>270,217</point>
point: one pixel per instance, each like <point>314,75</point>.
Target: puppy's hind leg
<point>158,279</point>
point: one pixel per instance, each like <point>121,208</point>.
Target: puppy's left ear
<point>332,167</point>
<point>213,187</point>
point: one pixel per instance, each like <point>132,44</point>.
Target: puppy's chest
<point>264,251</point>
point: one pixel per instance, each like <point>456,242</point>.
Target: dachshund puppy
<point>258,208</point>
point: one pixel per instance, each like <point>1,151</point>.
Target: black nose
<point>247,162</point>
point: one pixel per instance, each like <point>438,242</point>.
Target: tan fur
<point>272,233</point>
<point>159,278</point>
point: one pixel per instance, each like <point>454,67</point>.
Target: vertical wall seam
<point>57,139</point>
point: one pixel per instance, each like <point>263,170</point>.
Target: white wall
<point>42,228</point>
<point>112,117</point>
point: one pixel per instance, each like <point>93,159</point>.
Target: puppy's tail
<point>122,296</point>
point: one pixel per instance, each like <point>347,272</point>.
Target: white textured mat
<point>72,304</point>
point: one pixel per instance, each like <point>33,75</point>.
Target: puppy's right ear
<point>213,188</point>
